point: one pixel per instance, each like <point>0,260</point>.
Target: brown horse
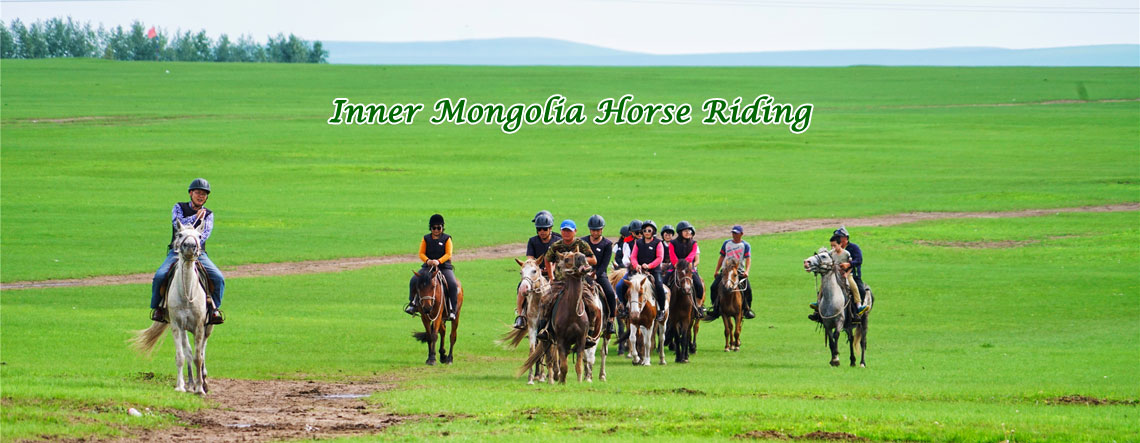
<point>432,306</point>
<point>681,311</point>
<point>729,302</point>
<point>570,324</point>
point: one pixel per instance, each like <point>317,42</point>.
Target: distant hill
<point>539,51</point>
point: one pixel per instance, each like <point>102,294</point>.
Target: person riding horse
<point>849,257</point>
<point>194,213</point>
<point>435,251</point>
<point>667,234</point>
<point>536,248</point>
<point>741,251</point>
<point>618,253</point>
<point>566,244</point>
<point>684,248</point>
<point>603,248</point>
<point>647,256</point>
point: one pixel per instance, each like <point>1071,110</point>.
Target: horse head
<point>573,263</point>
<point>683,277</point>
<point>530,275</point>
<point>188,241</point>
<point>730,274</point>
<point>639,293</point>
<point>820,263</point>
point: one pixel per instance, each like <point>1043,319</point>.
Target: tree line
<point>59,37</point>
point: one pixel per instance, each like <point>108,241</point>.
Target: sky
<point>649,26</point>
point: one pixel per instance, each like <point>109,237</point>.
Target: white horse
<point>534,288</point>
<point>642,321</point>
<point>186,308</point>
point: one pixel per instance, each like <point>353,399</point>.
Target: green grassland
<point>88,197</point>
<point>966,344</point>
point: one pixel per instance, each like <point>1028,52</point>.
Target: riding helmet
<point>541,213</point>
<point>199,183</point>
<point>635,226</point>
<point>596,222</point>
<point>842,232</point>
<point>436,219</point>
<point>669,229</point>
<point>624,231</point>
<point>650,223</point>
<point>683,225</point>
<point>543,220</point>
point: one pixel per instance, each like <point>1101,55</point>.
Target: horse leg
<point>205,385</point>
<point>179,357</point>
<point>851,347</point>
<point>860,344</point>
<point>200,359</point>
<point>563,355</point>
<point>727,332</point>
<point>833,343</point>
<point>578,357</point>
<point>633,331</point>
<point>736,332</point>
<point>693,337</point>
<point>605,352</point>
<point>658,336</point>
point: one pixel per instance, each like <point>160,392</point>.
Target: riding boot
<point>158,315</point>
<point>450,311</point>
<point>215,315</point>
<point>520,322</point>
<point>610,326</point>
<point>748,305</point>
<point>411,309</point>
<point>713,313</point>
<point>542,329</point>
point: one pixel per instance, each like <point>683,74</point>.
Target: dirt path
<point>519,250</point>
<point>264,410</point>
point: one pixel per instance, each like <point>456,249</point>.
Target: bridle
<point>437,292</point>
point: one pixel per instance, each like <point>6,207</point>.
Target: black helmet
<point>635,226</point>
<point>683,225</point>
<point>596,222</point>
<point>199,183</point>
<point>842,232</point>
<point>650,223</point>
<point>624,231</point>
<point>543,220</point>
<point>539,214</point>
<point>435,220</point>
<point>667,228</point>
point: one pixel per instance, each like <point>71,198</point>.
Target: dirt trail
<point>264,410</point>
<point>519,250</point>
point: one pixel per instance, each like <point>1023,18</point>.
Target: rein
<point>436,307</point>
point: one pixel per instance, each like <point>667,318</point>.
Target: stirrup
<point>410,309</point>
<point>215,317</point>
<point>862,310</point>
<point>749,314</point>
<point>520,322</point>
<point>814,305</point>
<point>158,315</point>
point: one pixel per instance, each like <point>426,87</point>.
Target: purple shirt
<point>178,217</point>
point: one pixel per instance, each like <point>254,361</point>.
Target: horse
<point>570,324</point>
<point>594,298</point>
<point>834,308</point>
<point>681,311</point>
<point>642,320</point>
<point>730,303</point>
<point>534,289</point>
<point>186,305</point>
<point>432,304</point>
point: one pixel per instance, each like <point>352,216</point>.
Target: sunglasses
<point>542,229</point>
<point>436,227</point>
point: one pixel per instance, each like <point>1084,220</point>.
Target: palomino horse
<point>834,308</point>
<point>729,302</point>
<point>534,289</point>
<point>186,307</point>
<point>570,325</point>
<point>681,311</point>
<point>432,305</point>
<point>642,321</point>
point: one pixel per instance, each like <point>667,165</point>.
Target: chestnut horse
<point>729,302</point>
<point>432,305</point>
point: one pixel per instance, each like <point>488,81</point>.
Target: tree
<point>7,44</point>
<point>318,54</point>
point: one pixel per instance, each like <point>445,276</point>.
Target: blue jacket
<point>856,260</point>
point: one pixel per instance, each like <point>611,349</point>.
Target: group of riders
<point>638,250</point>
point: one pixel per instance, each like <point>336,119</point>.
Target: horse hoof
<point>180,389</point>
<point>862,365</point>
<point>726,349</point>
<point>530,382</point>
<point>835,363</point>
<point>431,362</point>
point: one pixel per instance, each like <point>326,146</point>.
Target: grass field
<point>967,344</point>
<point>980,326</point>
<point>258,133</point>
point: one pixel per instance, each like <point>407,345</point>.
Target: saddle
<point>203,280</point>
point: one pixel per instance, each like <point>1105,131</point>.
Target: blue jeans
<point>212,272</point>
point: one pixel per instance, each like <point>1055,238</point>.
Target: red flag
<point>151,33</point>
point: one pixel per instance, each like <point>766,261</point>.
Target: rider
<point>842,258</point>
<point>435,250</point>
<point>536,247</point>
<point>627,245</point>
<point>647,256</point>
<point>667,234</point>
<point>685,248</point>
<point>195,213</point>
<point>740,250</point>
<point>603,248</point>
<point>617,252</point>
<point>567,243</point>
<point>856,263</point>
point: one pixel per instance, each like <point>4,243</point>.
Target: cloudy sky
<point>652,26</point>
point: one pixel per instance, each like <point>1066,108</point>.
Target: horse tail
<point>512,338</point>
<point>535,357</point>
<point>145,339</point>
<point>421,336</point>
